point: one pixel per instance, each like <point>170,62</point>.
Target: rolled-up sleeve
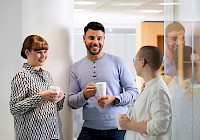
<point>160,112</point>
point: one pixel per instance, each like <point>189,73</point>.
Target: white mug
<point>117,116</point>
<point>101,89</point>
<point>55,89</point>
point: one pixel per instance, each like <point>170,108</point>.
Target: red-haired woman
<point>33,105</point>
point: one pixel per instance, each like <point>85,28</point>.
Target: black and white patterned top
<point>34,118</point>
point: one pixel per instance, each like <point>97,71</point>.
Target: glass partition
<point>182,72</point>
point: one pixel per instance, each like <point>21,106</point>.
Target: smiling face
<point>175,39</point>
<point>94,41</point>
<point>36,58</point>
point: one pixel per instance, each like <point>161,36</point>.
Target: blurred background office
<point>129,25</point>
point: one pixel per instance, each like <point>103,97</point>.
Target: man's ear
<point>84,38</point>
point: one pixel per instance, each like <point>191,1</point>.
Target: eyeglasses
<point>134,59</point>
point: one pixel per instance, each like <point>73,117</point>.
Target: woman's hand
<point>48,95</point>
<point>60,97</point>
<point>125,122</point>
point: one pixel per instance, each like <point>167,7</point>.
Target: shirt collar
<point>29,67</point>
<point>149,83</point>
<point>104,56</point>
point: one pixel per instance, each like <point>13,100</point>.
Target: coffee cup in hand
<point>101,89</point>
<point>117,116</point>
<point>55,89</point>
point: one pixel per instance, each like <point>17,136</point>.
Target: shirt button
<point>94,67</point>
<point>94,72</point>
<point>94,61</point>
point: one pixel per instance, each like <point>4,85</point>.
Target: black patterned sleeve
<point>20,101</point>
<point>60,104</point>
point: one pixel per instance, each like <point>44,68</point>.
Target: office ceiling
<point>117,13</point>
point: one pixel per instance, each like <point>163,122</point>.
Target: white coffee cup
<point>101,89</point>
<point>55,89</point>
<point>117,116</point>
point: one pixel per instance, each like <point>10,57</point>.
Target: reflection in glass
<point>184,85</point>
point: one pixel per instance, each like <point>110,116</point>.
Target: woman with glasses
<point>151,115</point>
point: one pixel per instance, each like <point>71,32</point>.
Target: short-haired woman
<point>151,116</point>
<point>33,105</point>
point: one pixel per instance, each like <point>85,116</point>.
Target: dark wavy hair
<point>94,26</point>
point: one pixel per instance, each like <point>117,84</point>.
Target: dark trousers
<point>93,134</point>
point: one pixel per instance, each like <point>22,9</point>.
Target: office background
<point>53,20</point>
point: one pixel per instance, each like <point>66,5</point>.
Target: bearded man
<point>98,66</point>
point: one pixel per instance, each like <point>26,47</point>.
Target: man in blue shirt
<point>175,37</point>
<point>98,66</point>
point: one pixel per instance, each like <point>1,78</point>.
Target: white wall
<point>53,20</point>
<point>10,38</point>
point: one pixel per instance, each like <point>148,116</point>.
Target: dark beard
<point>89,49</point>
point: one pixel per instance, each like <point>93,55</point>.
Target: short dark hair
<point>34,42</point>
<point>174,27</point>
<point>94,26</point>
<point>152,55</point>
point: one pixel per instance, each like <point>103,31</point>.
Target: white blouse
<point>154,106</point>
